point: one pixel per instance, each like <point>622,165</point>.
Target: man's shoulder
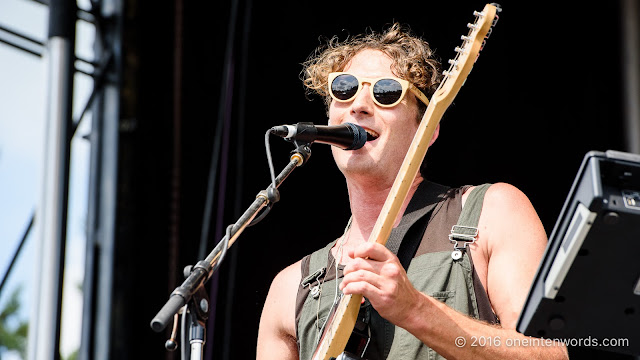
<point>289,274</point>
<point>499,195</point>
<point>507,213</point>
<point>504,197</point>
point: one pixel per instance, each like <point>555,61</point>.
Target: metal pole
<point>97,324</point>
<point>631,70</point>
<point>44,330</point>
<point>93,204</point>
<point>105,232</point>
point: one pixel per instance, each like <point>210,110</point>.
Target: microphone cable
<point>272,191</point>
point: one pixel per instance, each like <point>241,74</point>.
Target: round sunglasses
<point>385,91</point>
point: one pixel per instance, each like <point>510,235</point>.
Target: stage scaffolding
<point>62,63</point>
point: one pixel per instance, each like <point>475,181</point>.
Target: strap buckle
<point>463,234</point>
<point>306,282</point>
<point>313,277</point>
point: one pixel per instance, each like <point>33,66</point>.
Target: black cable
<point>225,247</point>
<point>272,190</point>
<point>267,147</point>
<point>262,215</point>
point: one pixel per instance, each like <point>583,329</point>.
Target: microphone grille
<point>359,136</point>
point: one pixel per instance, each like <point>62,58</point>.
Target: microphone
<point>346,136</point>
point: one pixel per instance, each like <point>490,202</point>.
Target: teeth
<point>371,135</point>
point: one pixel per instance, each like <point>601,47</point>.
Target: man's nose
<point>363,103</point>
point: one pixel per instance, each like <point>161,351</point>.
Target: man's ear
<point>436,132</point>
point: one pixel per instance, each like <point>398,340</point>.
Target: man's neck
<point>366,204</point>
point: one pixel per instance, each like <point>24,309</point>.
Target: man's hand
<point>376,273</point>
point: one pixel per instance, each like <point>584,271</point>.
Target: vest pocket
<point>443,295</point>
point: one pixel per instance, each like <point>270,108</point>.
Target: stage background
<point>546,89</point>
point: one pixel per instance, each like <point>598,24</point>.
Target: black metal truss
<point>102,68</point>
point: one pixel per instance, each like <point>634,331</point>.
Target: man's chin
<point>366,172</point>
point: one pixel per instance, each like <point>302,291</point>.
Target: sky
<point>23,89</point>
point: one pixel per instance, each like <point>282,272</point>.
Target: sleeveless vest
<point>432,270</point>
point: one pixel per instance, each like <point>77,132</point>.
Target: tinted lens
<point>387,91</point>
<point>344,86</point>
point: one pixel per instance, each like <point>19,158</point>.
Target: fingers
<point>361,270</point>
<point>373,271</point>
<point>372,258</point>
<point>372,251</point>
<point>387,289</point>
<point>379,275</point>
<point>362,282</point>
<point>376,273</point>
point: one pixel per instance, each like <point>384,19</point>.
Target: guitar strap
<point>405,238</point>
<point>403,241</point>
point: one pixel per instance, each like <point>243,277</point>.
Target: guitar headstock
<point>467,53</point>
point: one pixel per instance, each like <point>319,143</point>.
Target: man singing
<point>447,299</point>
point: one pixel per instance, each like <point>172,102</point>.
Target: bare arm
<point>511,243</point>
<point>276,336</point>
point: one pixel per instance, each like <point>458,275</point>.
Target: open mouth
<point>371,135</point>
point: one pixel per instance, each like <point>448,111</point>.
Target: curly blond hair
<point>413,60</point>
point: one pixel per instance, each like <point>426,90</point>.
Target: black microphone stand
<point>191,292</point>
<point>198,308</point>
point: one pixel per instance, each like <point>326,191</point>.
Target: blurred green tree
<point>13,337</point>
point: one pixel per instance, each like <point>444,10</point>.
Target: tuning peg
<point>472,26</point>
<point>465,38</point>
<point>478,13</point>
<point>446,73</point>
<point>488,33</point>
<point>453,62</point>
<point>458,49</point>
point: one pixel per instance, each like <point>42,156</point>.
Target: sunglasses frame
<point>371,81</point>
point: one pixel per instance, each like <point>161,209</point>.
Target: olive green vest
<point>432,270</point>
